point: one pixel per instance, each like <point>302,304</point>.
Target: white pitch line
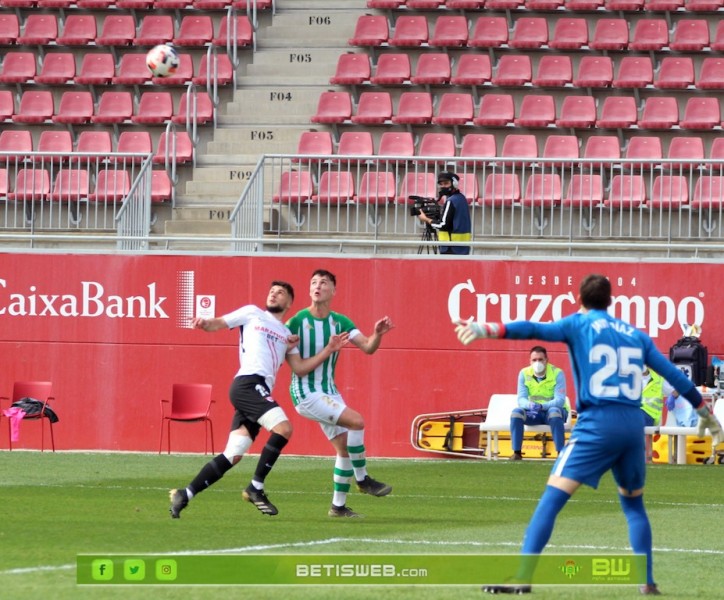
<point>328,541</point>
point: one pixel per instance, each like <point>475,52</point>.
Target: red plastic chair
<point>204,109</point>
<point>627,191</point>
<point>489,32</point>
<point>669,192</point>
<point>57,69</point>
<point>687,151</point>
<point>710,74</point>
<point>161,186</point>
<point>185,72</point>
<point>195,30</point>
<point>377,187</point>
<point>190,403</point>
<point>610,34</point>
<point>478,148</point>
<point>40,29</point>
<point>374,108</point>
<point>36,390</point>
<point>396,143</point>
<point>370,30</point>
<point>500,190</point>
<point>96,69</point>
<point>352,69</point>
<point>392,69</point>
<point>71,185</point>
<point>577,112</point>
<point>536,111</point>
<point>7,105</point>
<point>496,110</point>
<point>294,187</point>
<point>595,72</point>
<point>708,193</point>
<point>132,70</point>
<point>335,187</point>
<point>634,72</point>
<point>659,113</point>
<point>543,190</point>
<point>563,147</point>
<point>9,29</point>
<point>155,29</point>
<point>454,109</point>
<point>31,185</point>
<point>584,191</point>
<point>513,70</point>
<point>112,185</point>
<point>315,143</point>
<point>18,67</point>
<point>554,71</point>
<point>35,107</point>
<point>179,149</point>
<point>414,108</point>
<point>530,32</point>
<point>472,69</point>
<point>450,32</point>
<point>79,30</point>
<point>154,107</point>
<point>94,142</point>
<point>137,142</point>
<point>244,32</point>
<point>432,69</point>
<point>114,107</point>
<point>333,107</point>
<point>675,72</point>
<point>118,30</point>
<point>690,35</point>
<point>517,145</point>
<point>570,34</point>
<point>19,142</point>
<point>437,144</point>
<point>75,107</point>
<point>650,34</point>
<point>618,112</point>
<point>602,147</point>
<point>410,31</point>
<point>644,147</point>
<point>355,143</point>
<point>224,70</point>
<point>701,113</point>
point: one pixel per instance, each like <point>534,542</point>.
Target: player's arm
<point>468,331</point>
<point>304,366</point>
<point>209,324</point>
<point>369,345</point>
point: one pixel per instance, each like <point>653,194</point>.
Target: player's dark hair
<point>539,349</point>
<point>595,292</point>
<point>286,286</point>
<point>327,274</point>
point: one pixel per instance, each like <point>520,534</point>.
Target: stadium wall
<point>111,332</point>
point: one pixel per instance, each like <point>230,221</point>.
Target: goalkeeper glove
<point>708,421</point>
<point>470,331</point>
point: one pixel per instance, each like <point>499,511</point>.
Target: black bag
<point>32,408</point>
<point>692,357</point>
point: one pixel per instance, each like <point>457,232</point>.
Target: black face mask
<point>448,191</point>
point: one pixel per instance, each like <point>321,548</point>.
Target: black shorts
<point>251,398</point>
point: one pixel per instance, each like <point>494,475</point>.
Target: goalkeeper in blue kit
<point>608,357</point>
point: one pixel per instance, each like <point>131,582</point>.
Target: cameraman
<point>454,223</point>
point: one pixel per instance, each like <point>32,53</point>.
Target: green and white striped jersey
<point>314,335</point>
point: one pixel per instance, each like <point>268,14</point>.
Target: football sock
<point>639,530</point>
<point>273,448</point>
<point>210,473</point>
<point>356,450</point>
<point>342,472</point>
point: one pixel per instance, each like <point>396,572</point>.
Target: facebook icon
<point>102,569</point>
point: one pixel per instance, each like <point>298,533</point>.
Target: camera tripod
<point>428,235</point>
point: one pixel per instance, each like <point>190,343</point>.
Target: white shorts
<point>271,418</point>
<point>325,409</point>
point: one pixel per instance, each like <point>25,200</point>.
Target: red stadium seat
<point>224,70</point>
<point>584,5</point>
<point>40,29</point>
<point>154,30</point>
<point>570,34</point>
<point>17,142</point>
<point>35,107</point>
<point>644,148</point>
<point>554,71</point>
<point>179,150</point>
<point>669,192</point>
<point>132,70</point>
<point>352,69</point>
<point>195,30</point>
<point>500,190</point>
<point>295,187</point>
<point>185,72</point>
<point>465,4</point>
<point>690,35</point>
<point>543,190</point>
<point>711,76</point>
<point>708,193</point>
<point>417,184</point>
<point>95,4</point>
<point>377,187</point>
<point>472,69</point>
<point>392,69</point>
<point>544,5</point>
<point>75,107</point>
<point>686,151</point>
<point>373,108</point>
<point>513,70</point>
<point>660,113</point>
<point>716,152</point>
<point>118,30</point>
<point>530,32</point>
<point>603,147</point>
<point>335,187</point>
<point>634,72</point>
<point>79,30</point>
<point>618,112</point>
<point>650,34</point>
<point>424,4</point>
<point>437,144</point>
<point>386,3</point>
<point>355,143</point>
<point>94,142</point>
<point>154,107</point>
<point>663,5</point>
<point>624,5</point>
<point>450,31</point>
<point>9,29</point>
<point>414,108</point>
<point>31,185</point>
<point>478,147</point>
<point>496,110</point>
<point>536,111</point>
<point>135,142</point>
<point>396,143</point>
<point>410,31</point>
<point>610,34</point>
<point>370,30</point>
<point>627,191</point>
<point>595,72</point>
<point>675,72</point>
<point>521,146</point>
<point>469,187</point>
<point>333,107</point>
<point>18,67</point>
<point>96,69</point>
<point>314,143</point>
<point>111,186</point>
<point>703,5</point>
<point>504,4</point>
<point>701,113</point>
<point>57,69</point>
<point>204,109</point>
<point>454,109</point>
<point>134,4</point>
<point>114,107</point>
<point>564,147</point>
<point>489,32</point>
<point>161,187</point>
<point>432,69</point>
<point>577,112</point>
<point>584,191</point>
<point>7,105</point>
<point>71,185</point>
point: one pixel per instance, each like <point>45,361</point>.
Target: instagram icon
<point>166,569</point>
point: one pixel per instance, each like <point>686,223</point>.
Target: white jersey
<point>262,343</point>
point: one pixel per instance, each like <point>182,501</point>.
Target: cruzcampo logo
<point>570,569</point>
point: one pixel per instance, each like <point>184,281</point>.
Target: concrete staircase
<point>277,91</point>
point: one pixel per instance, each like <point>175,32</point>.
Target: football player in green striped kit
<point>315,396</point>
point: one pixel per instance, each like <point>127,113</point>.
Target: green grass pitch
<point>56,506</point>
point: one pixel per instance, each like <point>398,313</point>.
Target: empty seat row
<point>673,72</point>
<point>552,5</point>
<point>19,67</point>
<point>500,189</point>
<point>17,144</point>
<point>569,33</point>
<point>78,107</point>
<point>200,5</point>
<point>686,151</point>
<point>535,111</point>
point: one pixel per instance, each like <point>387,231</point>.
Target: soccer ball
<point>162,60</point>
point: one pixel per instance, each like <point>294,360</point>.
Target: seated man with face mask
<point>655,389</point>
<point>541,401</point>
